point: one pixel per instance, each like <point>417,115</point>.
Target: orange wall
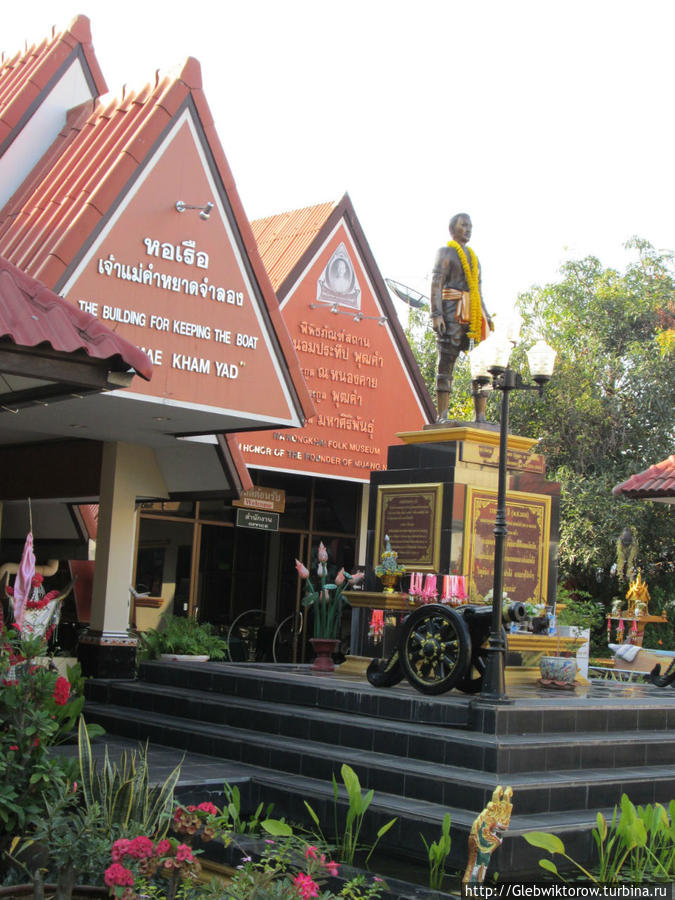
<point>356,378</point>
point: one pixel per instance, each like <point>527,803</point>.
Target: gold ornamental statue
<point>487,833</point>
<point>458,314</point>
<point>638,598</point>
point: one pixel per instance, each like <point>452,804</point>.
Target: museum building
<point>280,373</point>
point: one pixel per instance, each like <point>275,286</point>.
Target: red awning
<point>655,483</point>
<point>32,315</point>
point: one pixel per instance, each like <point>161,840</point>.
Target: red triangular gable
<point>176,284</point>
<point>352,355</point>
<point>98,221</point>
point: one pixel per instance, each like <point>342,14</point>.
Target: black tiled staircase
<point>566,757</point>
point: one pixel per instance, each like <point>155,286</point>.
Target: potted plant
<point>327,602</point>
<point>182,637</point>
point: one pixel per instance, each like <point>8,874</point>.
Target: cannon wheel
<point>473,680</point>
<point>385,672</point>
<point>435,648</point>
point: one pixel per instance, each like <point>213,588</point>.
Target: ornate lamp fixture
<point>490,368</point>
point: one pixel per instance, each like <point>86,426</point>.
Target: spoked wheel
<point>473,680</point>
<point>284,637</point>
<point>434,648</point>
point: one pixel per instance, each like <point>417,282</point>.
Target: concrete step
<point>504,754</point>
<point>297,685</point>
<point>430,780</point>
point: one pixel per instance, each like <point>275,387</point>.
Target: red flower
<point>120,849</point>
<point>117,874</point>
<point>208,808</point>
<point>302,570</point>
<point>184,852</point>
<point>306,887</point>
<point>163,847</point>
<point>13,747</point>
<point>310,852</point>
<point>141,848</point>
<point>61,691</point>
<point>332,867</point>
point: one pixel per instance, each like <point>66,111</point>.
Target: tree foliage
<point>609,411</point>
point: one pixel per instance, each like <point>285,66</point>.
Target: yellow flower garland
<point>471,272</point>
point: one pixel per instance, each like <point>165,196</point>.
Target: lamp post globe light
<point>490,367</point>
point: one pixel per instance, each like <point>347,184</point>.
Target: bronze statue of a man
<point>458,314</point>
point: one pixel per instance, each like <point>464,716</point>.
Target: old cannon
<point>439,648</point>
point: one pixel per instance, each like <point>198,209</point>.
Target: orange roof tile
<point>29,74</point>
<point>31,315</point>
<point>655,483</point>
<point>282,239</point>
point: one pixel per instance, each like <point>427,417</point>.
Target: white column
<point>127,472</point>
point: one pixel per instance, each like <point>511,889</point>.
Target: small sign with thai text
<point>262,521</point>
<point>271,499</point>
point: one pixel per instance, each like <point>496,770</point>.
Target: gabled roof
<point>31,316</point>
<point>289,241</point>
<point>28,76</point>
<point>70,192</point>
<point>284,238</point>
<point>55,216</point>
<point>655,483</point>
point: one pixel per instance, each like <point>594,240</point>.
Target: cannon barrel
<point>514,612</point>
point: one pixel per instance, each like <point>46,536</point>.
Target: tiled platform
<point>284,731</point>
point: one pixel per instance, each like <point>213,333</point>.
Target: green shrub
<point>182,635</point>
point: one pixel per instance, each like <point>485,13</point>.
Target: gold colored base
<point>471,433</point>
<point>516,676</point>
<point>354,665</point>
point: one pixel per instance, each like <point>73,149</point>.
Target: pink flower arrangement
<point>143,854</point>
<point>327,600</point>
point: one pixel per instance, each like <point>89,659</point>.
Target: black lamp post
<point>490,362</point>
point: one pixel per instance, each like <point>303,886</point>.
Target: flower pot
<point>324,649</point>
<point>560,669</point>
<point>182,657</point>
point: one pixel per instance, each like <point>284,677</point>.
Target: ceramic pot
<point>558,668</point>
<point>324,649</point>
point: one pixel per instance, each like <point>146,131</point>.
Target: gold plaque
<point>528,520</point>
<point>411,515</point>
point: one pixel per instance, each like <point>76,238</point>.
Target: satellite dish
<point>408,295</point>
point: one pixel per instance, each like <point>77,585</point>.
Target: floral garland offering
<point>471,273</point>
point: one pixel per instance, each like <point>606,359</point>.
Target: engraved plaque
<point>411,516</point>
<point>528,520</point>
<point>488,455</point>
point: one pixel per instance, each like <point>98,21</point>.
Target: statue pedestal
<point>437,501</point>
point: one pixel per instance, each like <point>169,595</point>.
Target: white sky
<point>549,122</point>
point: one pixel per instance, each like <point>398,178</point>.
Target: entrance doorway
<point>193,559</point>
